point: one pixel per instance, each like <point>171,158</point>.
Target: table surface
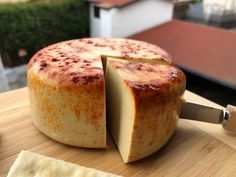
<point>207,51</point>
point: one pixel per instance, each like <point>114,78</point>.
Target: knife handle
<point>230,124</point>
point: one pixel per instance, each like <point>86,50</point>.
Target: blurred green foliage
<point>196,2</point>
<point>32,26</point>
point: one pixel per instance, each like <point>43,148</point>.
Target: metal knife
<point>199,112</point>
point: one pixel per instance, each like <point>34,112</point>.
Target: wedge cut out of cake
<point>143,102</point>
<point>67,95</point>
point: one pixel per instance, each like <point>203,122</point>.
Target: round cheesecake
<point>67,89</point>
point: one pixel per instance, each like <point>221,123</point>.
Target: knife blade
<point>202,113</point>
<point>205,113</point>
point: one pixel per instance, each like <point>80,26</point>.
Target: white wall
<point>123,22</point>
<point>95,23</point>
<point>140,16</point>
<point>106,22</point>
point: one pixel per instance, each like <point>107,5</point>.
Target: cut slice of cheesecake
<point>143,100</point>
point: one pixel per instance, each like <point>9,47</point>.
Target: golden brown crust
<point>151,82</point>
<point>160,91</point>
<point>78,61</point>
<point>154,125</point>
<point>61,112</point>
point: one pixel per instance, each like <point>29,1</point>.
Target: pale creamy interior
<point>120,111</point>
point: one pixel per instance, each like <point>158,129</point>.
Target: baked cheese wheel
<point>67,87</point>
<point>143,102</point>
<point>68,101</point>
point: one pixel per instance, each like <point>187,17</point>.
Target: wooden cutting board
<point>190,152</point>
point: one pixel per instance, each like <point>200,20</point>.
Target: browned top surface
<point>79,61</point>
<point>205,50</point>
<point>151,80</point>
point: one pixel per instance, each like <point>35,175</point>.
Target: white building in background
<point>220,8</point>
<point>224,4</point>
<point>122,18</point>
<point>220,12</point>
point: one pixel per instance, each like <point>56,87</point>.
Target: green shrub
<point>32,26</point>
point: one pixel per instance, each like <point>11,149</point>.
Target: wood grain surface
<point>190,152</point>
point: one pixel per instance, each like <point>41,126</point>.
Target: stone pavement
<point>3,80</point>
<point>16,76</point>
<point>12,78</point>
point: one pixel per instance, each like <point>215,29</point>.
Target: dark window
<point>96,12</point>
